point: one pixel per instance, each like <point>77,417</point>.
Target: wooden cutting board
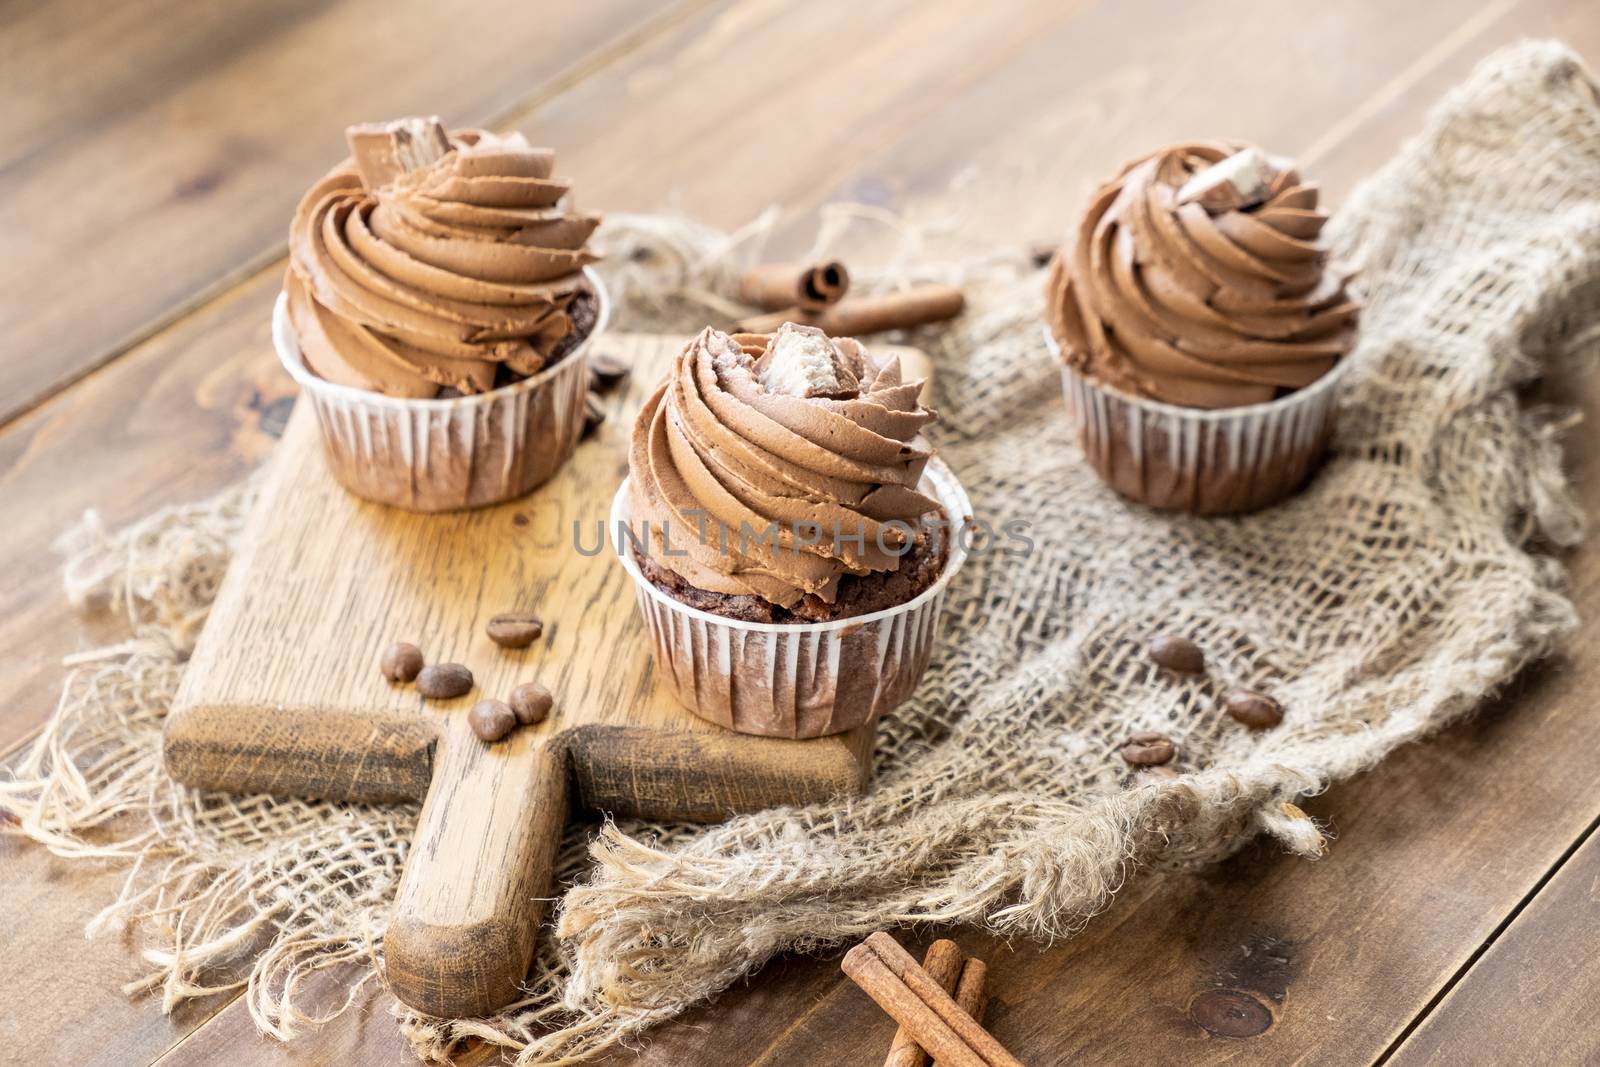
<point>283,694</point>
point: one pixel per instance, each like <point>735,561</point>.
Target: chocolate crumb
<point>594,414</point>
<point>606,372</point>
<point>857,594</point>
<point>582,313</point>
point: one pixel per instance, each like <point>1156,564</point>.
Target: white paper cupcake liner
<point>797,679</point>
<point>459,452</point>
<point>1206,462</point>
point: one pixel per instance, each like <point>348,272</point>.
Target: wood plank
<point>195,411</point>
<point>150,151</point>
<point>96,448</point>
<point>1530,998</point>
<point>1028,107</point>
<point>60,997</point>
<point>1266,958</point>
<point>1413,800</point>
<point>283,694</point>
<point>366,1036</point>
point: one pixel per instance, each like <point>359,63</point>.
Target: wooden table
<point>151,152</point>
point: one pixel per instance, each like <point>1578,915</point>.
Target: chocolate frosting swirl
<point>441,276</point>
<point>735,442</point>
<point>1201,287</point>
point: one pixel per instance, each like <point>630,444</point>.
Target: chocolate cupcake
<point>789,530</point>
<point>1201,329</point>
<point>437,310</point>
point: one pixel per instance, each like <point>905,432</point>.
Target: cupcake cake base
<point>858,594</point>
<point>799,678</point>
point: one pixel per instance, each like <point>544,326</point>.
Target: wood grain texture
<point>283,693</point>
<point>1529,1000</point>
<point>1269,958</point>
<point>60,995</point>
<point>1473,818</point>
<point>195,407</point>
<point>479,874</point>
<point>1023,107</point>
<point>152,151</point>
<point>366,1036</point>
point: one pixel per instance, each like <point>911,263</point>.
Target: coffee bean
<point>532,703</point>
<point>1177,654</point>
<point>594,413</point>
<point>1158,771</point>
<point>1256,710</point>
<point>400,662</point>
<point>444,681</point>
<point>606,372</point>
<point>492,719</point>
<point>514,629</point>
<point>1148,749</point>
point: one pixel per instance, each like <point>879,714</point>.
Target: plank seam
<point>1494,937</point>
<point>272,257</point>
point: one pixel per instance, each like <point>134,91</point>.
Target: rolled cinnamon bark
<point>774,286</point>
<point>971,993</point>
<point>888,974</point>
<point>859,315</point>
<point>943,964</point>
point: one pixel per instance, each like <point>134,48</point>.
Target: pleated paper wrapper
<point>796,679</point>
<point>444,455</point>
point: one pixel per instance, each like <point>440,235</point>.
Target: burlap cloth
<point>1379,605</point>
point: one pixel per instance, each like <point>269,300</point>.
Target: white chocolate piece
<point>801,361</point>
<point>1240,180</point>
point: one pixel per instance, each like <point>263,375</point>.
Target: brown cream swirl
<point>1193,290</point>
<point>462,274</point>
<point>729,447</point>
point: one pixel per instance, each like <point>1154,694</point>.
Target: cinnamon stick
<point>810,287</point>
<point>858,315</point>
<point>888,974</point>
<point>970,993</point>
<point>943,964</point>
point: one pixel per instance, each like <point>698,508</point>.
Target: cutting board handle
<point>474,890</point>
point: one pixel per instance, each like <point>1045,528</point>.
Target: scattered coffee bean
<point>1256,710</point>
<point>1158,771</point>
<point>606,372</point>
<point>401,662</point>
<point>594,413</point>
<point>492,719</point>
<point>1177,654</point>
<point>532,703</point>
<point>1148,749</point>
<point>514,629</point>
<point>444,681</point>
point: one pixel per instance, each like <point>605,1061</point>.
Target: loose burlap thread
<point>1411,579</point>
